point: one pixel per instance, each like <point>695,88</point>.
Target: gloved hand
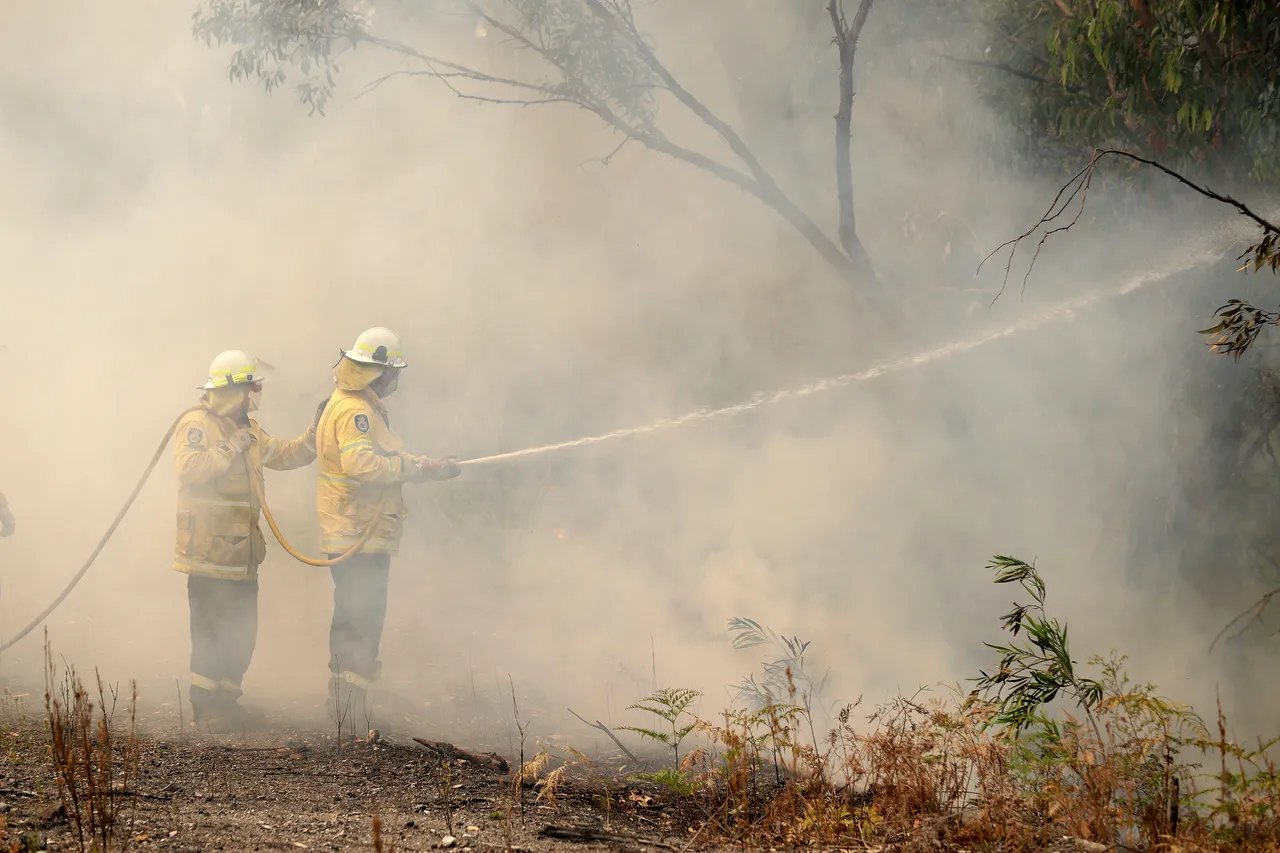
<point>320,411</point>
<point>420,468</point>
<point>7,524</point>
<point>240,440</point>
<point>447,469</point>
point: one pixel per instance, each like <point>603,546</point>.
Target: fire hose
<point>256,487</point>
<point>133,496</point>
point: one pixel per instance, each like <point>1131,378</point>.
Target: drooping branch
<point>1266,252</point>
<point>1240,207</point>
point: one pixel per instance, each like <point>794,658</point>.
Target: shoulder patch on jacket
<point>362,422</point>
<point>195,435</point>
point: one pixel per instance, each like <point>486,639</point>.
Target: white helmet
<point>378,345</point>
<point>233,367</point>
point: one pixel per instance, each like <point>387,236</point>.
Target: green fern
<point>670,705</point>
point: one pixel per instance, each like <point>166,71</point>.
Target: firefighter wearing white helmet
<point>362,464</point>
<point>217,449</point>
<point>378,345</point>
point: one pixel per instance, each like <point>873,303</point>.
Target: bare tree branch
<point>1265,252</point>
<point>1059,205</point>
<point>1241,207</point>
<point>602,727</point>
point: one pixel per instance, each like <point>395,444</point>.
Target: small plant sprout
<point>671,705</point>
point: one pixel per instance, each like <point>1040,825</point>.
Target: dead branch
<point>602,727</point>
<point>588,835</point>
<point>449,751</point>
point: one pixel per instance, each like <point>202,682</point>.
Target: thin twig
<point>1248,616</point>
<point>1077,181</point>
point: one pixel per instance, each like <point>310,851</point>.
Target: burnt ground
<point>285,787</point>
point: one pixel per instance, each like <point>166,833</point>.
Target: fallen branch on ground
<point>448,750</point>
<point>587,835</point>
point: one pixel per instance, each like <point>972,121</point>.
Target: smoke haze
<point>155,215</point>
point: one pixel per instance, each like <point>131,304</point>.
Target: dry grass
<point>937,771</point>
<point>94,769</point>
<point>1045,752</point>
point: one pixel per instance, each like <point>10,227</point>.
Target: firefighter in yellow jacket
<point>362,467</point>
<point>217,448</point>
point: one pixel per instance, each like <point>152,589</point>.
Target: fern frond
<point>549,786</point>
<point>661,737</point>
<point>534,767</point>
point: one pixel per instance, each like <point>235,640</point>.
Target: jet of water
<point>1058,312</point>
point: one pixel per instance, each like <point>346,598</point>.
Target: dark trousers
<point>224,633</point>
<point>359,612</point>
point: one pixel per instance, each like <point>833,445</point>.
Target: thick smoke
<point>156,214</point>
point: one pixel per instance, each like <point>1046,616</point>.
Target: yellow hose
<point>102,543</point>
<point>256,486</point>
<point>133,496</point>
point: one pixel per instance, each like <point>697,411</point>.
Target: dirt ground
<point>291,787</point>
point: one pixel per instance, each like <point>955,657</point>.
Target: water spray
<point>1047,316</point>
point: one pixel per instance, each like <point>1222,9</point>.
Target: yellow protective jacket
<point>218,533</point>
<point>360,461</point>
